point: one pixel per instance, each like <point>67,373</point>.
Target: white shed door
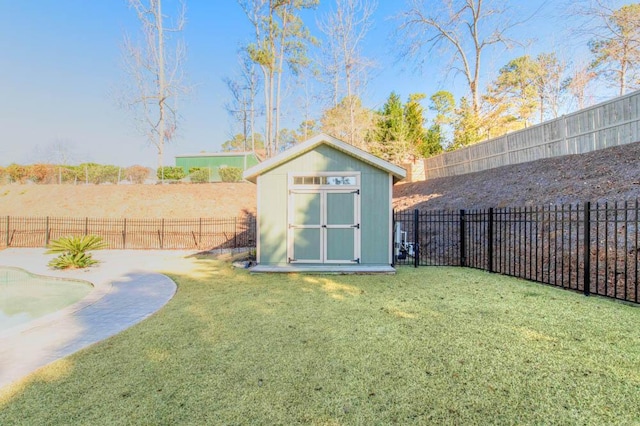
<point>324,226</point>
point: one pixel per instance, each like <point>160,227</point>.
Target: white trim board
<point>252,174</point>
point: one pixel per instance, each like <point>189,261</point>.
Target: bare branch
<point>614,41</point>
<point>154,65</point>
<point>345,28</point>
<point>280,38</point>
<point>459,29</point>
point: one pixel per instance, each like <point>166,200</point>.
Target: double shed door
<point>324,226</point>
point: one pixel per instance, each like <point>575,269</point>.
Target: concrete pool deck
<point>127,290</point>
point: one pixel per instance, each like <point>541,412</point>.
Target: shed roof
<point>252,173</point>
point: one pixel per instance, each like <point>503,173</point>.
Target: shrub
<point>72,261</point>
<point>137,174</point>
<point>171,173</point>
<point>69,174</point>
<point>42,173</point>
<point>231,174</point>
<point>105,173</point>
<point>98,173</point>
<point>74,251</point>
<point>199,175</point>
<point>16,173</point>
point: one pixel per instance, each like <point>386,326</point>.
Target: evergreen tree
<point>414,121</point>
<point>467,126</point>
<point>444,104</point>
<point>517,88</point>
<point>433,143</point>
<point>391,134</point>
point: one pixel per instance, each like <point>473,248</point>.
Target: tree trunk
<point>252,116</point>
<point>283,36</point>
<point>267,112</point>
<point>161,88</point>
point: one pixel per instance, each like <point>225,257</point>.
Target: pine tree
<point>391,135</point>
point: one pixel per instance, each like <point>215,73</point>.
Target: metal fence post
<point>46,237</point>
<point>490,241</point>
<point>162,235</point>
<point>8,228</point>
<point>416,238</point>
<point>587,249</point>
<point>462,239</point>
<point>393,237</point>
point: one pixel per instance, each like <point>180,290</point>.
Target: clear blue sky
<point>61,67</point>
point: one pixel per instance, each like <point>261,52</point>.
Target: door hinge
<point>357,225</point>
<point>357,192</point>
<point>356,260</point>
<point>290,260</point>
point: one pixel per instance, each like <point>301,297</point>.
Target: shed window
<point>334,180</point>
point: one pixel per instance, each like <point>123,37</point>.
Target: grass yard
<point>427,346</point>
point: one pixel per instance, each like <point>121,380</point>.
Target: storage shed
<point>214,161</point>
<point>324,205</point>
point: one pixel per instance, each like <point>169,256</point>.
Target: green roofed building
<point>324,206</point>
<point>214,161</point>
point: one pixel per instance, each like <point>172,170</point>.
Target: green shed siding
<point>272,220</point>
<point>375,244</point>
<point>214,162</point>
<point>374,204</point>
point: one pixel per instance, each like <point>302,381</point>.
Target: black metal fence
<point>592,248</point>
<point>200,234</point>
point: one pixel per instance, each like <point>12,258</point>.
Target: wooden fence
<point>200,234</point>
<point>611,123</point>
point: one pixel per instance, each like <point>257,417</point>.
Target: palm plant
<point>73,251</point>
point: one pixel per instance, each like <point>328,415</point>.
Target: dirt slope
<point>129,201</point>
<point>606,175</point>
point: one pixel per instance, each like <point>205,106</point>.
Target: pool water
<point>25,296</point>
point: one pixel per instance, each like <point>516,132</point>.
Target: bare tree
<point>345,28</point>
<point>552,84</point>
<point>330,65</point>
<point>61,151</point>
<point>242,106</point>
<point>337,122</point>
<point>466,28</point>
<point>280,37</point>
<point>154,65</point>
<point>304,105</point>
<point>579,83</point>
<point>239,107</point>
<point>615,42</point>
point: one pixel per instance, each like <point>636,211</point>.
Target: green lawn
<point>427,346</point>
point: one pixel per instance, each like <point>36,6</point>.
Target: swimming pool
<point>25,296</point>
